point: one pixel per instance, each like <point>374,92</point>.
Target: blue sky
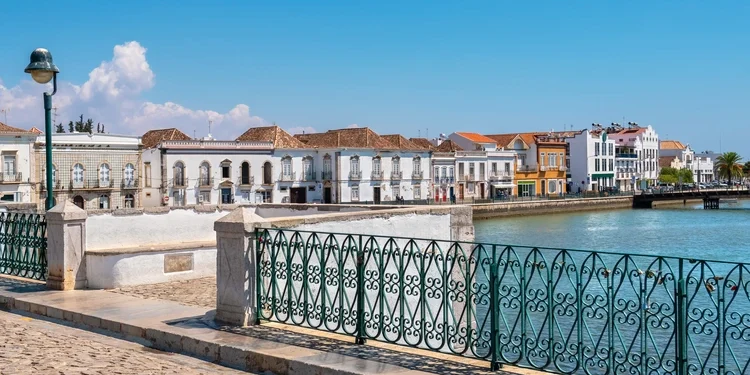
<point>484,66</point>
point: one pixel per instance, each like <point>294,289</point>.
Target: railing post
<point>66,247</point>
<point>360,293</point>
<point>494,364</point>
<point>681,322</point>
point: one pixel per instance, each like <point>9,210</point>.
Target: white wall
<point>414,226</point>
<point>21,147</point>
<point>105,271</point>
<point>178,226</point>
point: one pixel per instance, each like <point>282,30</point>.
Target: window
<point>204,197</point>
<point>611,165</point>
<point>54,174</point>
<point>470,187</point>
<point>542,158</point>
<point>436,174</point>
<point>327,167</point>
<point>354,166</point>
<point>450,172</point>
<point>226,169</point>
<point>178,197</point>
<point>205,174</point>
<point>507,168</point>
<point>562,157</point>
<point>552,186</point>
<point>245,174</point>
<point>596,148</point>
<point>417,165</point>
<point>596,165</point>
<point>417,192</point>
<point>307,168</point>
<point>355,193</point>
<point>286,167</point>
<point>104,201</point>
<point>396,191</point>
<point>129,201</point>
<point>611,149</point>
<point>129,175</point>
<point>104,175</point>
<point>147,172</point>
<point>376,165</point>
<point>471,170</point>
<point>179,174</point>
<point>78,173</point>
<point>494,168</point>
<point>245,196</point>
<point>9,167</point>
<point>267,171</point>
<point>396,164</point>
<point>461,169</point>
<point>481,171</point>
<point>552,159</point>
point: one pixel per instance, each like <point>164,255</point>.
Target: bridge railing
<point>558,310</point>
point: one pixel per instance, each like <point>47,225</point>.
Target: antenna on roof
<point>419,133</point>
<point>5,112</point>
<point>209,127</point>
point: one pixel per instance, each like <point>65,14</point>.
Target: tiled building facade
<point>95,171</point>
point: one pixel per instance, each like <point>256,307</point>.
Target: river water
<point>685,231</point>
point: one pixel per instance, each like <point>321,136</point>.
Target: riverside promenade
<point>185,325</point>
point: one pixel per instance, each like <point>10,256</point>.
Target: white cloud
<point>112,95</point>
<point>352,126</point>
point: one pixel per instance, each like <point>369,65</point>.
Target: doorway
<point>298,195</point>
<point>78,201</point>
<point>544,188</point>
<point>461,191</point>
<point>226,195</point>
<point>376,194</point>
<point>450,194</point>
<point>327,195</point>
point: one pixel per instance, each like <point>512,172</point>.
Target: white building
<point>702,167</point>
<point>180,171</point>
<point>639,146</point>
<point>17,182</point>
<point>367,167</point>
<point>485,170</point>
<point>592,160</point>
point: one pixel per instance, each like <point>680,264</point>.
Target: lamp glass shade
<point>41,67</point>
<point>42,76</point>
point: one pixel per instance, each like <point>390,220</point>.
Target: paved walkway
<point>197,292</point>
<point>32,346</point>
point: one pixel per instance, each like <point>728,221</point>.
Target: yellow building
<point>540,162</point>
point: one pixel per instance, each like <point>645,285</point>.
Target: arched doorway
<point>129,201</point>
<point>78,201</point>
<point>267,173</point>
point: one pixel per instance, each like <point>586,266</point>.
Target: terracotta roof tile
<point>400,142</point>
<point>671,145</point>
<point>476,137</point>
<point>448,146</point>
<point>273,134</point>
<point>349,137</point>
<point>153,137</point>
<point>503,140</point>
<point>9,129</point>
<point>35,130</point>
<point>424,143</point>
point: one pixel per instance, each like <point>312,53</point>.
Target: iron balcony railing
<point>56,185</point>
<point>129,183</point>
<point>417,175</point>
<point>309,176</point>
<point>444,180</point>
<point>23,245</point>
<point>355,175</point>
<point>99,183</point>
<point>501,175</point>
<point>287,177</point>
<point>376,175</point>
<point>11,177</point>
<point>397,175</point>
<point>246,181</point>
<point>525,168</point>
<point>205,182</point>
<point>626,156</point>
<point>327,175</point>
<point>556,310</point>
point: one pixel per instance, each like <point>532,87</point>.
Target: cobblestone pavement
<point>197,292</point>
<point>32,346</point>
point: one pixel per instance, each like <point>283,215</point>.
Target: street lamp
<point>43,70</point>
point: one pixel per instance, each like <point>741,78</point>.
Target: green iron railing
<point>556,310</point>
<point>23,245</point>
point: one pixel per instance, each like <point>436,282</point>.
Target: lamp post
<point>43,70</point>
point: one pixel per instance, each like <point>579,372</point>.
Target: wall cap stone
<point>65,211</point>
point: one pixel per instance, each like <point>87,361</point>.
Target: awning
<point>260,189</point>
<point>526,182</point>
<point>503,186</point>
<point>602,175</point>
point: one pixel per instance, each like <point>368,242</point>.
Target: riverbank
<point>496,210</point>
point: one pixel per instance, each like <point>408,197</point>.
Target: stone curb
<point>211,349</point>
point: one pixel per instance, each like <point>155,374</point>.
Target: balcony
<point>177,182</point>
<point>247,181</point>
<point>206,182</point>
<point>417,175</point>
<point>11,177</point>
<point>469,177</point>
<point>287,177</point>
<point>327,175</point>
<point>397,175</point>
<point>626,156</point>
<point>355,175</point>
<point>376,175</point>
<point>92,184</point>
<point>501,176</point>
<point>129,183</point>
<point>525,168</point>
<point>447,180</point>
<point>56,185</point>
<point>309,176</point>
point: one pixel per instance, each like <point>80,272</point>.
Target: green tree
<point>71,127</point>
<point>728,165</point>
<point>59,128</point>
<point>685,175</point>
<point>746,168</point>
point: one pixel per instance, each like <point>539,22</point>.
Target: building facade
<point>702,167</point>
<point>488,168</point>
<point>540,162</point>
<point>17,180</point>
<point>643,143</point>
<point>592,161</point>
<point>95,171</point>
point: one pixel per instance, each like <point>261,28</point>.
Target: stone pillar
<point>236,300</point>
<point>462,224</point>
<point>66,247</point>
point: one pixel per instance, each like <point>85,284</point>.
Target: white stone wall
<point>583,158</point>
<point>413,226</point>
<point>20,190</point>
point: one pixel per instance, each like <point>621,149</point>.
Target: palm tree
<point>728,165</point>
